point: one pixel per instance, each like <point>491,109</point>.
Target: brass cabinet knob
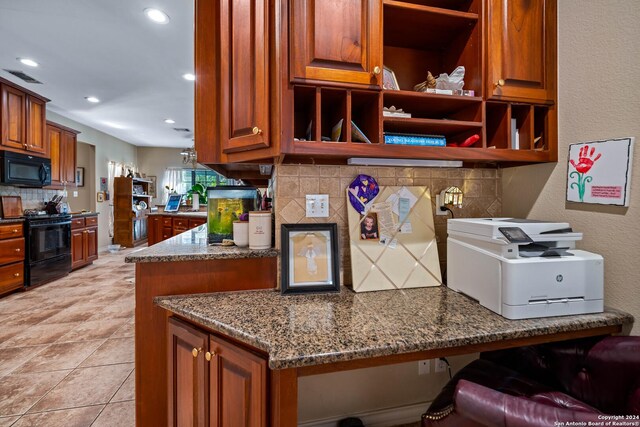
<point>209,355</point>
<point>196,351</point>
<point>14,231</point>
<point>16,274</point>
<point>256,130</point>
<point>18,250</point>
<point>377,70</point>
<point>500,82</point>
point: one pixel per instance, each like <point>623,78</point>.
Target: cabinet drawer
<point>167,232</point>
<point>9,231</point>
<point>77,223</point>
<point>91,221</point>
<point>11,250</point>
<point>181,223</point>
<point>11,277</point>
<point>193,223</point>
<point>166,222</point>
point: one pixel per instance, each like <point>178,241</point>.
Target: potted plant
<point>197,195</point>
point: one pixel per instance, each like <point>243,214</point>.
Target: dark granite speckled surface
<point>192,246</point>
<point>84,215</point>
<point>304,330</point>
<point>11,220</point>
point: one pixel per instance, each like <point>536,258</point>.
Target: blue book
<point>415,139</point>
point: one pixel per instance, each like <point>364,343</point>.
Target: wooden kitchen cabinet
<point>22,119</point>
<point>11,257</point>
<point>213,382</point>
<point>163,227</point>
<point>61,149</point>
<point>84,241</point>
<point>521,50</point>
<point>337,41</point>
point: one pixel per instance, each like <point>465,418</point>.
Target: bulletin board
<point>393,243</point>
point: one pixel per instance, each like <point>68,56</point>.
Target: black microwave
<point>23,170</point>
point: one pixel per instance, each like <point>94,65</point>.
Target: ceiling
<point>111,50</point>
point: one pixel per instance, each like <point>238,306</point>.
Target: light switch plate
<point>75,194</point>
<point>317,206</point>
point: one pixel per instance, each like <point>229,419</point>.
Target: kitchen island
<point>249,348</point>
<point>184,264</point>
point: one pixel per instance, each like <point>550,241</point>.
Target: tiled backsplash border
<point>32,198</point>
<point>291,183</point>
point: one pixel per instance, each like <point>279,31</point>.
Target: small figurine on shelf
<point>430,83</point>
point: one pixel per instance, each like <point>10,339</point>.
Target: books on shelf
<point>515,135</point>
<point>357,135</point>
<point>415,139</point>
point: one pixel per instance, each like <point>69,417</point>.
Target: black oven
<point>22,170</point>
<point>48,248</point>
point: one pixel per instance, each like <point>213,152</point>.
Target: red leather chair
<point>579,380</point>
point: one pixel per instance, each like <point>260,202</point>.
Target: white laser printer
<point>523,268</point>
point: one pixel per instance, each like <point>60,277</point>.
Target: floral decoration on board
<point>584,165</point>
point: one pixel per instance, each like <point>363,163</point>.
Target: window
<point>206,177</point>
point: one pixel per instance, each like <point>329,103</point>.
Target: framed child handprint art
<point>310,258</point>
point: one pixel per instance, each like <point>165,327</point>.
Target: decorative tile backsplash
<point>32,198</point>
<point>291,183</point>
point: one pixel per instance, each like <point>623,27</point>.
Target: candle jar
<point>260,230</point>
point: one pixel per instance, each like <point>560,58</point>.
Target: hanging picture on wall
<point>80,177</point>
<point>599,172</point>
<point>152,185</point>
<point>100,197</point>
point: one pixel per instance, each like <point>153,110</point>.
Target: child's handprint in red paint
<point>585,159</point>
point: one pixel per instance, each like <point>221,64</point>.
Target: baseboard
<point>379,418</point>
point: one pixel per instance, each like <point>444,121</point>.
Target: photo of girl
<point>369,227</point>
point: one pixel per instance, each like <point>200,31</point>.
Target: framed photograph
<point>389,81</point>
<point>79,177</point>
<point>152,185</point>
<point>310,258</point>
<point>369,227</point>
<point>100,197</point>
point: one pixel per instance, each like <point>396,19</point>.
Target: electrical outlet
<point>439,204</point>
<point>75,194</point>
<point>317,206</point>
<point>440,365</point>
<point>424,367</point>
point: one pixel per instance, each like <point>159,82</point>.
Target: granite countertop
<point>305,330</point>
<point>192,246</point>
<point>84,214</point>
<point>201,214</point>
<point>11,220</point>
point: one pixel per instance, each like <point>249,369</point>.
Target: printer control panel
<point>515,235</point>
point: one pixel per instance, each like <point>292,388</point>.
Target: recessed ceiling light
<point>156,15</point>
<point>92,99</point>
<point>114,125</point>
<point>169,121</point>
<point>29,62</point>
<point>189,76</point>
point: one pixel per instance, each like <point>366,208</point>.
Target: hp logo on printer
<point>559,278</point>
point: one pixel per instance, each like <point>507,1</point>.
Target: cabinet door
<point>14,119</point>
<point>339,41</point>
<point>188,372</point>
<point>36,125</point>
<point>521,50</point>
<point>244,75</point>
<point>91,244</point>
<point>77,248</point>
<point>68,152</point>
<point>237,386</point>
<point>153,231</point>
<point>54,138</point>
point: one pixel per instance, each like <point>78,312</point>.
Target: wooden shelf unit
<point>129,223</point>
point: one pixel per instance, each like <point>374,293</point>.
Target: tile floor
<point>67,351</point>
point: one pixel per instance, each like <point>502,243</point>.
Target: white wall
<point>599,98</point>
<point>153,161</point>
<point>86,199</point>
<point>107,148</point>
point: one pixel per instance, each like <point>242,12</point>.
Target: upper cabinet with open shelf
<point>325,71</point>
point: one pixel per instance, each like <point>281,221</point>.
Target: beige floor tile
<point>121,414</point>
<point>69,315</point>
<point>127,390</point>
<point>112,351</point>
<point>61,356</point>
<point>93,330</point>
<point>39,334</point>
<point>20,391</point>
<point>13,357</point>
<point>86,386</point>
<point>34,317</point>
<point>127,330</point>
<point>76,417</point>
<point>8,332</point>
<point>8,421</point>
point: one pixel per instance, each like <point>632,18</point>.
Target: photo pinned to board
<point>369,227</point>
